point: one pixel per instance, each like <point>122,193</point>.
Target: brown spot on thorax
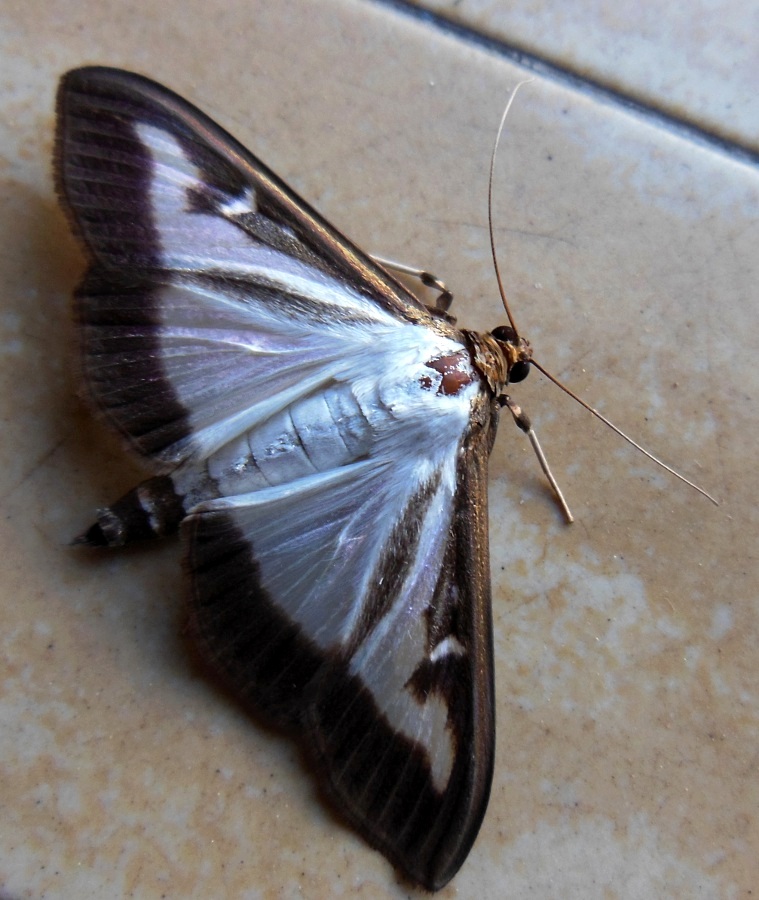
<point>455,369</point>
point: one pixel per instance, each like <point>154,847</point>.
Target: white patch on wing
<point>312,540</point>
<point>449,646</point>
<point>240,206</point>
<point>234,364</point>
<point>146,500</point>
<point>401,636</point>
<point>211,438</point>
<point>237,356</point>
<point>207,242</point>
<point>318,542</point>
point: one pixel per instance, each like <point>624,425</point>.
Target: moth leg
<point>523,421</point>
<point>445,297</point>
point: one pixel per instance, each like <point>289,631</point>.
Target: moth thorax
<point>489,358</point>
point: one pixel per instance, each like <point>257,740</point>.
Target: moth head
<point>516,351</point>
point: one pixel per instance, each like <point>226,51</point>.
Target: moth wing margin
<point>379,777</point>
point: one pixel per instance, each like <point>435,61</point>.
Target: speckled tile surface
<point>697,64</point>
<point>626,644</point>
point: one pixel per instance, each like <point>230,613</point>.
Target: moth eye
<point>519,371</point>
<point>505,334</point>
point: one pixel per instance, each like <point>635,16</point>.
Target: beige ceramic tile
<point>695,61</point>
<point>626,645</point>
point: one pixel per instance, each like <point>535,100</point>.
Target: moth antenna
<point>519,417</point>
<point>499,281</point>
<point>621,433</point>
<point>523,421</point>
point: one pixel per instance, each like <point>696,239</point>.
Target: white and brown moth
<point>321,439</point>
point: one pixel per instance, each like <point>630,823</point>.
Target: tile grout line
<point>538,65</point>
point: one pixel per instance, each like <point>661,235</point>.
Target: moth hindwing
<point>320,440</point>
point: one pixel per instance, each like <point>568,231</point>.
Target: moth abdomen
<point>152,509</point>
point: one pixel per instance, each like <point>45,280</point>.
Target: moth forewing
<point>322,440</point>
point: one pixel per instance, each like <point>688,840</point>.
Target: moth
<point>320,439</point>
